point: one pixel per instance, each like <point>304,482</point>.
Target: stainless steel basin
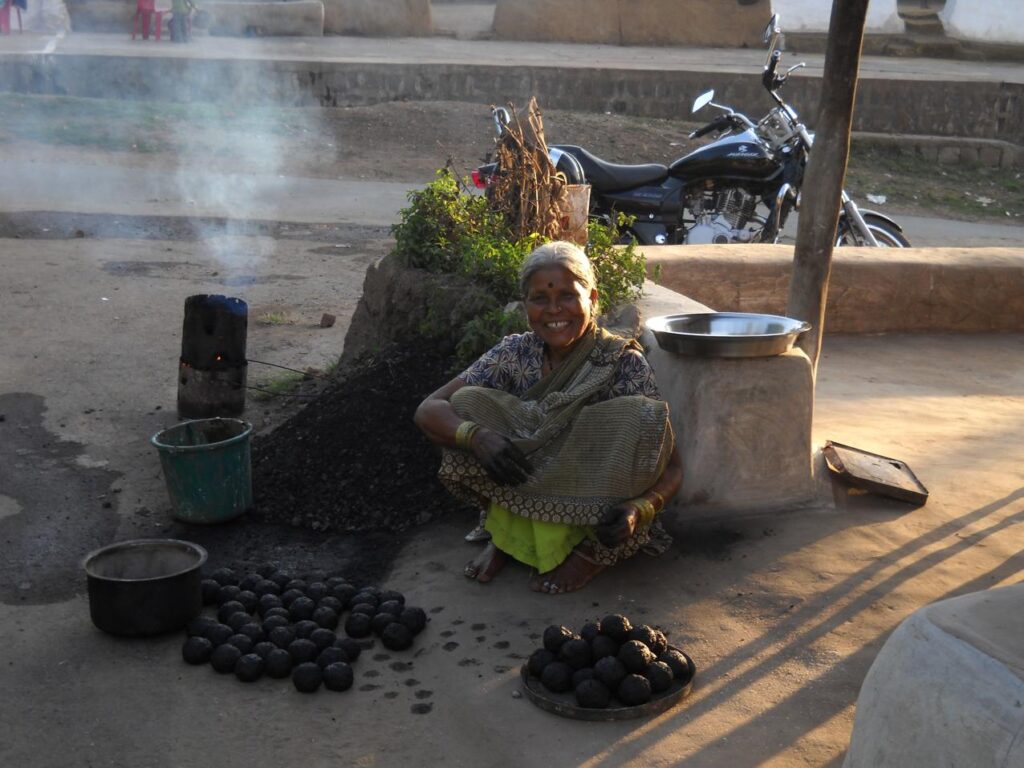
<point>727,334</point>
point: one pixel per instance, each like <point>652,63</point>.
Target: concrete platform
<point>922,97</point>
<point>871,290</point>
<point>947,688</point>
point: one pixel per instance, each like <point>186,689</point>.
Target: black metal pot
<point>145,586</point>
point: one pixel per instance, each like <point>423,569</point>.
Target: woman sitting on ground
<point>559,433</point>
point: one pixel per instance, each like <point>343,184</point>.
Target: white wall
<point>990,21</point>
<point>814,15</point>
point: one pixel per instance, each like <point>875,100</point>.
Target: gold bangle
<point>645,509</point>
<point>661,501</point>
<point>465,433</point>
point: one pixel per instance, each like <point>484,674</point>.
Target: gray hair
<point>558,254</point>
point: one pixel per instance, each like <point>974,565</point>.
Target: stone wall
<point>724,23</point>
<point>378,18</point>
<point>871,290</point>
<point>296,18</point>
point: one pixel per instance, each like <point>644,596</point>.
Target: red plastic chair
<point>5,17</point>
<point>145,9</point>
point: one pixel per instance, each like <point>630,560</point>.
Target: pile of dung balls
<point>608,661</point>
<point>269,623</point>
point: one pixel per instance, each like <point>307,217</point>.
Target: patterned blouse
<point>515,364</point>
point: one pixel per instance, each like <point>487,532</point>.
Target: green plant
<point>482,332</point>
<point>285,384</point>
<point>620,268</point>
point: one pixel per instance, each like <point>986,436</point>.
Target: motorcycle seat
<point>610,177</point>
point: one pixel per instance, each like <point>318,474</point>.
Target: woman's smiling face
<point>558,307</point>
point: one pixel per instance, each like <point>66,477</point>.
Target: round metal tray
<point>727,334</point>
<point>564,704</point>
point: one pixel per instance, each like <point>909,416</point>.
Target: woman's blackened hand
<point>504,463</point>
<point>620,522</point>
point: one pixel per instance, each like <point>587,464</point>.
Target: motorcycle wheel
<point>885,233</point>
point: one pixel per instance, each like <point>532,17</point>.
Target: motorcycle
<point>739,188</point>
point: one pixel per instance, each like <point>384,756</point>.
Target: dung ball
<point>343,592</point>
<point>253,631</point>
<point>280,578</point>
<point>224,658</point>
<point>334,581</point>
<point>278,664</point>
<point>241,642</point>
<point>325,617</point>
<point>229,609</point>
<point>555,636</point>
<point>268,602</point>
<point>238,620</point>
<point>660,675</point>
<point>610,671</point>
<point>267,587</point>
<point>366,608</point>
<point>249,581</point>
<point>249,668</point>
<point>330,655</point>
<point>331,602</point>
<point>289,596</point>
<point>225,577</point>
<point>351,648</point>
<point>307,677</point>
<point>593,694</point>
<point>575,653</point>
<point>199,625</point>
<point>298,585</point>
<point>676,662</point>
<point>272,622</point>
<point>316,590</point>
<point>381,621</point>
<point>197,650</point>
<point>227,592</point>
<point>301,608</point>
<point>634,690</point>
<point>396,636</point>
<point>315,575</point>
<point>364,597</point>
<point>390,606</point>
<point>653,638</point>
<point>616,626</point>
<point>322,638</point>
<point>589,631</point>
<point>539,659</point>
<point>282,637</point>
<point>218,634</point>
<point>277,611</point>
<point>306,628</point>
<point>414,618</point>
<point>635,656</point>
<point>369,589</point>
<point>587,673</point>
<point>248,600</point>
<point>557,677</point>
<point>266,569</point>
<point>338,676</point>
<point>602,646</point>
<point>263,649</point>
<point>302,651</point>
<point>358,625</point>
<point>211,590</point>
<point>389,595</point>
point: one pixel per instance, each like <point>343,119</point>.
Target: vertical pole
<point>823,183</point>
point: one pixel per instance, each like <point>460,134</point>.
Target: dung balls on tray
<point>538,660</point>
<point>575,653</point>
<point>602,646</point>
<point>555,636</point>
<point>610,671</point>
<point>660,675</point>
<point>653,638</point>
<point>633,690</point>
<point>616,627</point>
<point>593,694</point>
<point>676,662</point>
<point>636,656</point>
<point>557,677</point>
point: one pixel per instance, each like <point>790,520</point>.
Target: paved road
<point>34,186</point>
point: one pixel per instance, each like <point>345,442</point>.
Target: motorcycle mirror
<point>703,100</point>
<point>772,28</point>
<point>501,119</point>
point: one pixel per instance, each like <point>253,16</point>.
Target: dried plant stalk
<point>528,191</point>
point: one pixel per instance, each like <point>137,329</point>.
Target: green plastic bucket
<point>208,468</point>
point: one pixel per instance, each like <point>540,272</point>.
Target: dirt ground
<point>783,614</point>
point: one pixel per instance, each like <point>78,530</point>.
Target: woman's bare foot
<point>574,573</point>
<point>486,565</point>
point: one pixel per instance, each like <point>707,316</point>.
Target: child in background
<point>180,28</point>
